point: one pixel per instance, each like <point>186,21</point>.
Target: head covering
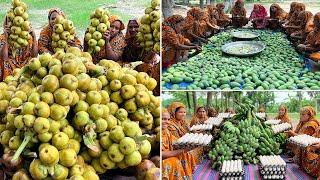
<point>114,18</point>
<point>292,7</point>
<point>195,13</point>
<point>258,11</point>
<point>165,110</point>
<point>310,111</point>
<point>212,112</point>
<point>239,3</point>
<point>275,14</point>
<point>299,7</point>
<point>316,20</point>
<point>230,110</point>
<point>261,109</point>
<point>174,106</point>
<point>131,21</point>
<point>211,8</point>
<point>200,107</point>
<point>173,20</point>
<point>55,10</point>
<point>285,116</point>
<point>220,6</point>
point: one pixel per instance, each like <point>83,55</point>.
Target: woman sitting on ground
<point>258,17</point>
<point>223,20</point>
<point>305,20</point>
<point>293,21</point>
<point>239,13</point>
<point>277,17</point>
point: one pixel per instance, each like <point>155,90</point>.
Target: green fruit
<point>106,162</point>
<point>76,170</point>
<point>96,165</point>
<point>49,155</point>
<point>50,83</point>
<point>121,114</point>
<point>95,111</point>
<point>117,134</point>
<point>133,159</point>
<point>67,157</point>
<point>69,131</point>
<point>42,109</point>
<point>60,172</point>
<point>101,124</point>
<point>116,97</point>
<point>105,141</point>
<point>90,175</point>
<point>60,140</point>
<point>114,153</point>
<point>14,142</point>
<point>38,170</point>
<point>28,108</point>
<point>45,137</point>
<point>130,105</point>
<point>75,145</point>
<point>142,98</point>
<point>41,125</point>
<point>128,79</point>
<point>81,106</point>
<point>93,97</point>
<point>81,119</point>
<point>115,85</point>
<point>113,107</point>
<point>104,97</point>
<point>28,120</point>
<point>57,112</point>
<point>127,145</point>
<point>70,67</point>
<point>47,97</point>
<point>63,96</point>
<point>69,82</point>
<point>131,129</point>
<point>145,148</point>
<point>127,92</point>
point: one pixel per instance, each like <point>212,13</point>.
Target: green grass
<point>77,11</point>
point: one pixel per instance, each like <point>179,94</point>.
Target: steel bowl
<point>239,48</point>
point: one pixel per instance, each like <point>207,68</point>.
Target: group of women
<point>181,34</point>
<point>123,48</point>
<point>180,164</point>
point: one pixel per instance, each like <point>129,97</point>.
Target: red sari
<point>259,16</point>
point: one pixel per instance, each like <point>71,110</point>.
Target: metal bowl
<point>244,35</point>
<point>243,48</point>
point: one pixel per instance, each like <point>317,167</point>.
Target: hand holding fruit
<point>107,36</point>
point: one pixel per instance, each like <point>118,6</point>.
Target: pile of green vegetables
<point>279,66</point>
<point>245,137</point>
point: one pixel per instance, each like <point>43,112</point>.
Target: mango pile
<point>149,30</point>
<point>80,119</point>
<point>99,24</point>
<point>244,137</point>
<point>18,21</point>
<point>279,66</point>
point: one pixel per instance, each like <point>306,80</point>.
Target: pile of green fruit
<point>18,21</point>
<point>149,30</point>
<point>99,25</point>
<point>244,137</point>
<point>80,119</point>
<point>279,66</point>
<point>63,32</point>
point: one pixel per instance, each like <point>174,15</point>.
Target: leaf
<point>88,141</point>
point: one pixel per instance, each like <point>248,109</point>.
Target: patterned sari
<point>276,17</point>
<point>239,13</point>
<point>259,16</point>
<point>223,20</point>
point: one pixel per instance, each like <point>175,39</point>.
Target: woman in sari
<point>174,46</point>
<point>174,164</point>
<point>223,20</point>
<point>15,56</point>
<point>45,39</point>
<point>211,16</point>
<point>258,16</point>
<point>194,26</point>
<point>310,160</point>
<point>178,127</point>
<point>212,112</point>
<point>305,21</point>
<point>114,42</point>
<point>200,117</point>
<point>132,51</point>
<point>312,42</point>
<point>277,17</point>
<point>239,13</point>
<point>283,114</point>
<point>293,19</point>
<point>230,110</point>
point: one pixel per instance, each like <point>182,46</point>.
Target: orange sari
<point>311,158</point>
<point>307,25</point>
<point>223,20</point>
<point>17,60</point>
<point>239,13</point>
<point>174,168</point>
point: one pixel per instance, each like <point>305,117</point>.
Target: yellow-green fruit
<point>116,97</point>
<point>56,70</point>
<point>153,173</point>
<point>122,164</point>
<point>47,97</point>
<point>86,157</point>
<point>22,95</point>
<point>83,81</point>
<point>15,142</point>
<point>106,162</point>
<point>63,97</point>
<point>113,73</point>
<point>127,145</point>
<point>151,84</point>
<point>122,114</point>
<point>115,85</point>
<point>45,137</point>
<point>133,159</point>
<point>145,148</point>
<point>105,99</point>
<point>113,107</point>
<point>77,177</point>
<point>95,111</point>
<point>90,175</point>
<point>70,67</point>
<point>93,97</point>
<point>96,165</point>
<point>142,99</point>
<point>69,82</point>
<point>42,109</point>
<point>76,170</point>
<point>69,131</point>
<point>75,145</point>
<point>3,106</point>
<point>50,83</point>
<point>41,125</point>
<point>60,172</point>
<point>15,102</point>
<point>130,105</point>
<point>81,106</point>
<point>114,153</point>
<point>117,134</point>
<point>128,79</point>
<point>142,78</point>
<point>67,157</point>
<point>127,91</point>
<point>34,64</point>
<point>105,141</point>
<point>60,140</point>
<point>57,112</point>
<point>38,170</point>
<point>95,154</point>
<point>28,120</point>
<point>131,129</point>
<point>101,124</point>
<point>81,119</point>
<point>75,98</point>
<point>28,108</point>
<point>49,155</point>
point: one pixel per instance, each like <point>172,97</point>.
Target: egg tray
<point>275,131</point>
<point>215,121</point>
<point>301,143</point>
<point>232,175</point>
<point>272,122</point>
<point>205,127</point>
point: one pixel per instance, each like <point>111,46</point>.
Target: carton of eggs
<point>272,167</point>
<point>223,115</point>
<point>261,115</point>
<point>278,128</point>
<point>202,127</point>
<point>193,140</point>
<point>231,169</point>
<point>303,140</point>
<point>272,122</point>
<point>215,121</point>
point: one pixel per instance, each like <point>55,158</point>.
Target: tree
<point>194,97</point>
<point>188,100</point>
<point>209,99</point>
<point>167,8</point>
<point>201,4</point>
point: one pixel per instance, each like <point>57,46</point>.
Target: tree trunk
<point>188,100</point>
<point>209,99</point>
<point>201,4</point>
<point>216,99</point>
<point>186,2</point>
<point>167,8</point>
<point>221,100</point>
<point>194,96</point>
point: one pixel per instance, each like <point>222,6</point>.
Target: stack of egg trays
<point>192,141</point>
<point>272,167</point>
<point>232,170</point>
